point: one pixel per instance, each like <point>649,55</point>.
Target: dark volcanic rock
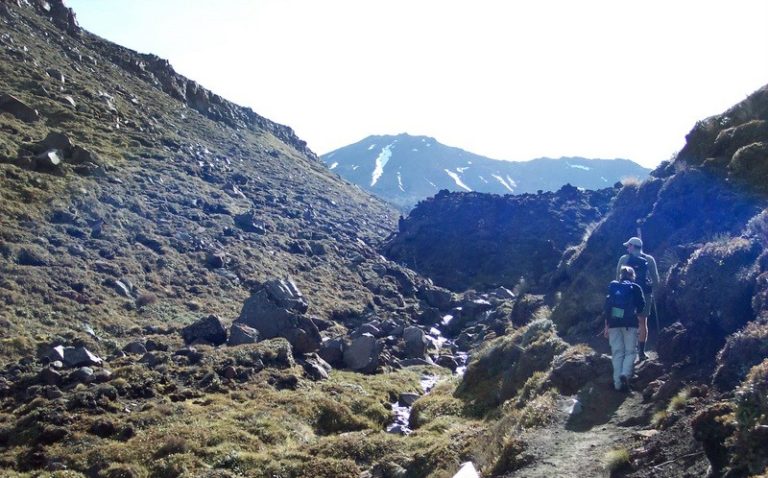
<point>240,334</point>
<point>79,357</point>
<point>276,310</point>
<point>415,342</point>
<point>464,240</point>
<point>14,106</point>
<point>209,329</point>
<point>362,354</point>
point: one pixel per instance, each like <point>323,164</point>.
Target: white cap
<point>635,241</point>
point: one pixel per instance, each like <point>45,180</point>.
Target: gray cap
<point>635,241</point>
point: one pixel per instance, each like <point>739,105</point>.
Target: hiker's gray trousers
<point>623,342</point>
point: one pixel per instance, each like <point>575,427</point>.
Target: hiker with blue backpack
<point>623,303</point>
<point>647,277</point>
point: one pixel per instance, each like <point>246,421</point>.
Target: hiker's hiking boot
<point>624,384</point>
<point>641,357</point>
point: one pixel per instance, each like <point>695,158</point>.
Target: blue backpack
<point>640,265</point>
<point>620,304</point>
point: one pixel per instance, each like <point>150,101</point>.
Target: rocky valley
<point>188,291</point>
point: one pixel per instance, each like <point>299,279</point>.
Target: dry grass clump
<point>679,401</point>
<point>615,460</point>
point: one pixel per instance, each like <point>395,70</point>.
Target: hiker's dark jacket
<point>635,304</point>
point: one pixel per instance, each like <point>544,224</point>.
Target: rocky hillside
<point>405,169</point>
<point>116,170</point>
<point>481,241</point>
<point>187,291</point>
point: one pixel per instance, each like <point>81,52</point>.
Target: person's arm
<point>654,272</point>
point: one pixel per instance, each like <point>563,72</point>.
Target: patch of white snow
<point>457,179</point>
<point>461,170</point>
<point>371,147</point>
<point>333,166</point>
<point>381,160</point>
<point>503,182</point>
<point>400,181</point>
<point>579,166</point>
<point>430,182</point>
<point>511,181</point>
<point>483,179</point>
<point>415,150</point>
<point>355,167</point>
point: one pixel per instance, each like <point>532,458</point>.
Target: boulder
<point>240,334</point>
<point>316,368</point>
<point>332,351</point>
<point>415,342</point>
<point>209,329</point>
<point>367,328</point>
<point>276,310</point>
<point>408,399</point>
<point>362,354</point>
<point>436,297</point>
<point>80,357</point>
<point>448,361</point>
<point>50,161</point>
<point>55,141</point>
<point>49,376</point>
<point>415,362</point>
<point>17,108</point>
<point>81,375</point>
<point>285,294</point>
<point>135,347</point>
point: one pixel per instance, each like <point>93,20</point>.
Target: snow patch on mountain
<point>461,170</point>
<point>400,181</point>
<point>371,147</point>
<point>483,179</point>
<point>430,182</point>
<point>381,160</point>
<point>511,181</point>
<point>503,182</point>
<point>457,179</point>
<point>333,166</point>
<point>579,166</point>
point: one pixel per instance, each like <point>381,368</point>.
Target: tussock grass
<point>615,460</point>
<point>679,401</point>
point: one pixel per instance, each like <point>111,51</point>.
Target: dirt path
<point>575,446</point>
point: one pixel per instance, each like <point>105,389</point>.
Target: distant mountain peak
<point>404,169</point>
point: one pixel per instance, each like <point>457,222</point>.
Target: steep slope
<point>124,171</point>
<point>405,169</point>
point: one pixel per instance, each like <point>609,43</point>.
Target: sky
<point>509,79</point>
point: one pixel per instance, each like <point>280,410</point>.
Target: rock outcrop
<point>481,241</point>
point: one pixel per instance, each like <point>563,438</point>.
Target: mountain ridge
<point>404,169</point>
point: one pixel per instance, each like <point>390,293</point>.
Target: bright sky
<point>506,79</point>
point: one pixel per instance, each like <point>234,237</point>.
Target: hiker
<point>647,277</point>
<point>622,304</point>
